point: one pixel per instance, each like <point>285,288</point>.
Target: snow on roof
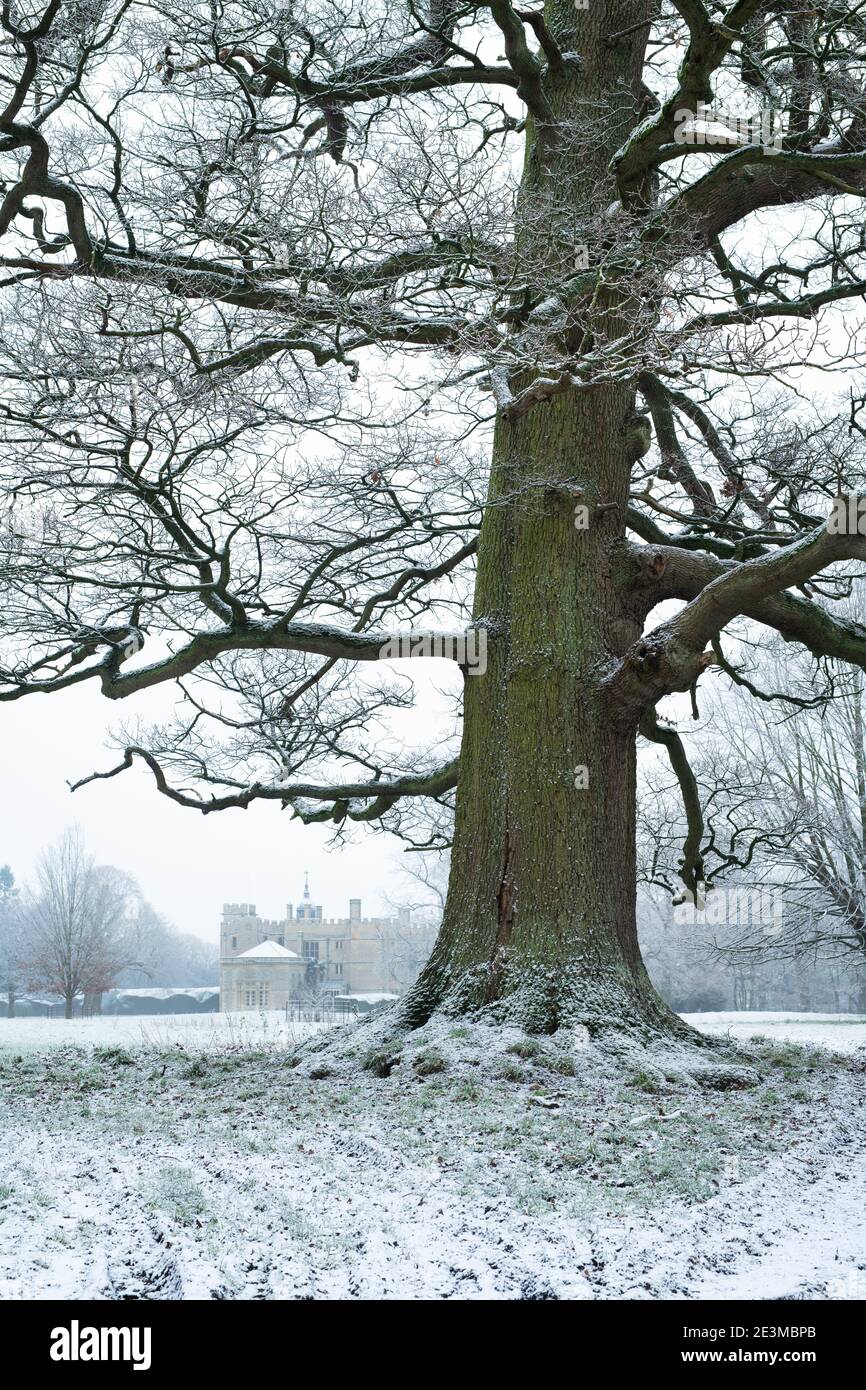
<point>269,950</point>
<point>199,992</point>
<point>369,998</point>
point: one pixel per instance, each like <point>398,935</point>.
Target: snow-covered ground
<point>203,1032</point>
<point>485,1164</point>
<point>842,1032</point>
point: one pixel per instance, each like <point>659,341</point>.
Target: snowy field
<point>188,1157</point>
<point>201,1032</point>
<point>842,1032</point>
<point>206,1032</point>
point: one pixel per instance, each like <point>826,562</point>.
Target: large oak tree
<point>330,323</point>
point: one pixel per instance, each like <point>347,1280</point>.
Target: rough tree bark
<point>539,922</point>
<point>541,901</point>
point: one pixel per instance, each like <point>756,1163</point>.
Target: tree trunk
<point>10,1000</point>
<point>68,1002</point>
<point>539,925</point>
<point>540,916</point>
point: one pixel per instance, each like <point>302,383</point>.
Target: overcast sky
<point>188,864</point>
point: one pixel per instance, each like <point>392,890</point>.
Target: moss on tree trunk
<point>539,925</point>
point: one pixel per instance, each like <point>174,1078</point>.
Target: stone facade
<point>264,964</point>
<point>266,976</point>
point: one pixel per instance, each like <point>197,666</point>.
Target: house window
<point>263,996</point>
<point>338,945</point>
<point>338,969</point>
<point>281,940</point>
<point>251,996</point>
<point>234,943</point>
<point>311,950</point>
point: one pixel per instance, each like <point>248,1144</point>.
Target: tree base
<point>542,1001</point>
<point>488,1045</point>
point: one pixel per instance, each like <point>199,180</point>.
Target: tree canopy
<point>273,278</point>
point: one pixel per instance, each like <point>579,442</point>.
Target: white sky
<point>188,864</point>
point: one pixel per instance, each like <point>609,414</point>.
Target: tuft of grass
<point>787,1056</point>
<point>642,1080</point>
<point>92,1079</point>
<point>428,1062</point>
<point>510,1071</point>
<point>175,1192</point>
<point>467,1090</point>
<point>381,1062</point>
<point>293,1222</point>
<point>197,1067</point>
<point>529,1049</point>
<point>113,1056</point>
<point>563,1066</point>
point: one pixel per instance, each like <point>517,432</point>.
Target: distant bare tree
<point>697,967</point>
<point>78,922</point>
<point>409,935</point>
<point>165,956</point>
<point>781,797</point>
<point>427,881</point>
<point>405,946</point>
<point>10,939</point>
<point>805,768</point>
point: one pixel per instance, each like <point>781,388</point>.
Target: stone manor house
<point>265,964</point>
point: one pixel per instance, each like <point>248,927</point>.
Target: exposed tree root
<point>483,1043</point>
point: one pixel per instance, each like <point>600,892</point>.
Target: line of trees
<point>10,926</point>
<point>779,787</point>
<point>83,928</point>
<point>698,969</point>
